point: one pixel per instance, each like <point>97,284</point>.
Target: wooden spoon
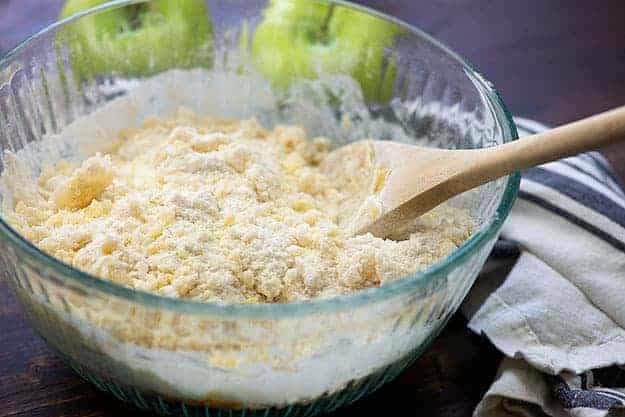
<point>417,179</point>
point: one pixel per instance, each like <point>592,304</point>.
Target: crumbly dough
<point>220,210</point>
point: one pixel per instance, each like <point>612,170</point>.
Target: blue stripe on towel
<point>569,162</point>
<point>559,211</point>
<point>601,166</point>
<point>616,394</point>
<point>578,398</point>
<point>579,192</point>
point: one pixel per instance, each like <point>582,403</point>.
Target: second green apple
<point>306,39</point>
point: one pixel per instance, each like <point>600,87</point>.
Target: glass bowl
<point>181,357</point>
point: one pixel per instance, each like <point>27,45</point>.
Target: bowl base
<point>353,391</point>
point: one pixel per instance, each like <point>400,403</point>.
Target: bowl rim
<point>72,276</point>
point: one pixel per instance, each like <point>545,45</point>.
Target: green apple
<point>139,39</point>
<point>304,39</point>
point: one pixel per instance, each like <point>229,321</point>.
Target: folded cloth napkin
<point>558,311</point>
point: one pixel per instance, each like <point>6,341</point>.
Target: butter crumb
<point>222,211</point>
<point>83,185</point>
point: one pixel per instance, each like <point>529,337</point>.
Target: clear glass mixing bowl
<point>182,357</point>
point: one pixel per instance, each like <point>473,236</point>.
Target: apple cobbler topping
<point>218,210</point>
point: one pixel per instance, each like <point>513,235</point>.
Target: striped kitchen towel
<point>558,310</point>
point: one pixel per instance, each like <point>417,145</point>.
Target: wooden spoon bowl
<point>417,179</point>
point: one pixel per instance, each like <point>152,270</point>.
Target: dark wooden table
<point>552,60</point>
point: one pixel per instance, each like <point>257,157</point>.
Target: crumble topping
<point>221,210</point>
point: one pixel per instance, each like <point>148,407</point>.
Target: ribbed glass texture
<point>180,357</point>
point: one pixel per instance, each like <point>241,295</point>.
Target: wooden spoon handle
<point>581,136</point>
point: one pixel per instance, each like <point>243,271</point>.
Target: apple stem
<point>326,21</point>
<point>135,12</point>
